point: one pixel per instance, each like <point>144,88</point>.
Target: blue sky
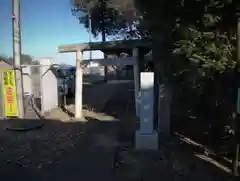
<point>45,24</point>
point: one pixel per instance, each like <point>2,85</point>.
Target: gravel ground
<point>62,144</point>
<point>171,163</point>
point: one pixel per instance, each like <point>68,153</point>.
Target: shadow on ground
<point>173,162</point>
<point>92,150</point>
<point>58,151</point>
<point>114,101</point>
<point>206,138</point>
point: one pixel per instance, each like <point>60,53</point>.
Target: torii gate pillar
<point>79,87</point>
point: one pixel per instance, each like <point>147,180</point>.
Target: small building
<point>5,65</point>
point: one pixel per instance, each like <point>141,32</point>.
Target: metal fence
<point>120,73</point>
<point>94,74</point>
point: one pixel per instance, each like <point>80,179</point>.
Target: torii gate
<point>117,47</point>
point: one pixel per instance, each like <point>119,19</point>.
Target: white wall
<point>27,80</point>
<point>49,86</point>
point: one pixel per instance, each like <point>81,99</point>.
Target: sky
<point>45,24</point>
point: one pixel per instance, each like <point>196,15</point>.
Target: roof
<point>5,65</point>
<point>108,46</point>
<point>6,61</point>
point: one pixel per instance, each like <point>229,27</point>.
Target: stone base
<point>146,141</point>
<point>81,120</point>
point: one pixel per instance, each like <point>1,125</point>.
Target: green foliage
<point>206,50</point>
<point>210,51</point>
<point>5,58</point>
<point>26,59</point>
<point>2,57</point>
<point>106,18</point>
<point>101,17</point>
<point>206,42</point>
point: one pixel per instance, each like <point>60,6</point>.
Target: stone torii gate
<point>146,137</point>
<point>131,47</point>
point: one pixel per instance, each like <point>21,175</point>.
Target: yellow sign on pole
<point>9,93</point>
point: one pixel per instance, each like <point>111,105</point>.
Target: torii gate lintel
<point>130,45</point>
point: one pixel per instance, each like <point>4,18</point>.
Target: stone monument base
<point>147,141</point>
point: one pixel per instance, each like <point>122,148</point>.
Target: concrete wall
<point>49,86</point>
<point>27,80</point>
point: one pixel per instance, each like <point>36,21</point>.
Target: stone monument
<point>146,137</point>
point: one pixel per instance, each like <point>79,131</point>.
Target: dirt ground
<point>176,161</point>
<point>102,147</point>
<point>64,144</point>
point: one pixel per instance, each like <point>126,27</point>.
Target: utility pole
<point>17,55</point>
<point>90,31</point>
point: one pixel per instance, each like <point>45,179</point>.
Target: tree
<point>5,58</point>
<point>209,44</point>
<point>103,20</point>
<point>107,20</point>
<point>26,59</point>
<point>2,57</point>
